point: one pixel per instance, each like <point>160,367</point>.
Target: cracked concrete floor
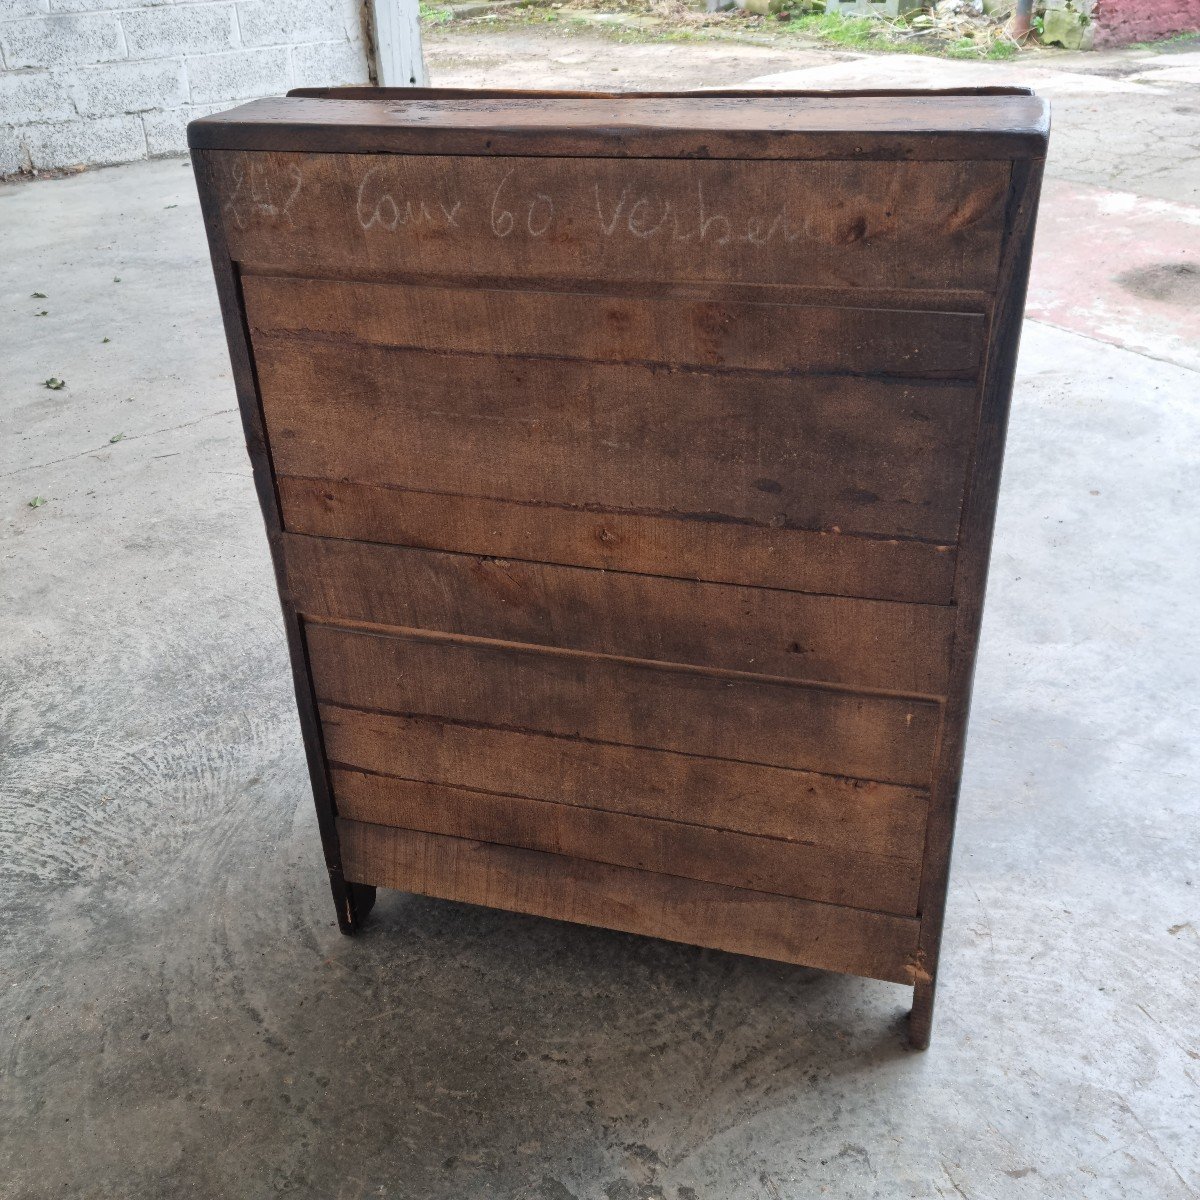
<point>180,1016</point>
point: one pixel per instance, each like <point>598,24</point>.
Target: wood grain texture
<point>721,552</point>
<point>797,126</point>
<point>885,738</point>
<point>850,878</point>
<point>854,455</point>
<point>656,442</point>
<point>725,334</point>
<point>859,643</point>
<point>876,225</point>
<point>799,806</point>
<point>833,938</point>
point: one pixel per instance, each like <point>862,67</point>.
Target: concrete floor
<point>179,1013</point>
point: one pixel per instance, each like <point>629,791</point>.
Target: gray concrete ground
<point>179,1014</point>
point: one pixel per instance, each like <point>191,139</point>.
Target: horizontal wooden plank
<point>856,455</point>
<point>912,126</point>
<point>859,643</point>
<point>854,224</point>
<point>604,327</point>
<point>877,945</point>
<point>669,847</point>
<point>826,811</point>
<point>722,552</point>
<point>797,294</point>
<point>631,703</point>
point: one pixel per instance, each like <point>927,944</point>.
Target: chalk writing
<point>384,210</point>
<point>385,203</point>
<point>538,210</point>
<point>650,216</point>
<point>256,193</point>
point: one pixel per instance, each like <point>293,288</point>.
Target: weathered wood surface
<point>875,882</point>
<point>878,945</point>
<point>725,335</point>
<point>877,225</point>
<point>687,548</point>
<point>657,443</point>
<point>854,455</point>
<point>859,643</point>
<point>885,738</point>
<point>799,806</point>
<point>919,126</point>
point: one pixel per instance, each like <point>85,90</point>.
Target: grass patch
<point>1179,37</point>
<point>675,21</point>
<point>854,33</point>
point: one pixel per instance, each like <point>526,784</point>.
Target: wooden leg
<point>920,1020</point>
<point>353,901</point>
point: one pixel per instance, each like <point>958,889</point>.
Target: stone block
<point>289,22</point>
<point>126,87</point>
<point>239,74</point>
<point>327,64</point>
<point>27,96</point>
<point>13,157</point>
<point>1062,27</point>
<point>99,141</point>
<point>180,30</point>
<point>62,41</point>
<point>78,6</point>
<point>166,132</point>
<point>25,8</point>
<point>873,8</point>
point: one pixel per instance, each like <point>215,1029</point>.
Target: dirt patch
<point>1172,283</point>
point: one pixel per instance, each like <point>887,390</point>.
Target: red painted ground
<point>1119,22</point>
<point>1119,267</point>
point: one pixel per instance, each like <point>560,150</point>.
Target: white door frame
<point>399,60</point>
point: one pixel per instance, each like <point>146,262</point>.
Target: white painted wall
<point>108,81</point>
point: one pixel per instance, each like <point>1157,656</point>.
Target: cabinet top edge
<point>962,124</point>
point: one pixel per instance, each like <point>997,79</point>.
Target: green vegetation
<point>855,33</point>
<point>797,21</point>
<point>1179,37</point>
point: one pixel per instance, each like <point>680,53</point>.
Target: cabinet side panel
<point>207,164</point>
<point>975,540</point>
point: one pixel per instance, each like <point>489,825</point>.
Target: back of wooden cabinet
<point>631,520</point>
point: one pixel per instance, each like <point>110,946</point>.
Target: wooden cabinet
<point>629,465</point>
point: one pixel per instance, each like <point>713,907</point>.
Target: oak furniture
<point>629,464</point>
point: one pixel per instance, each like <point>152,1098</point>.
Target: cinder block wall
<point>108,81</point>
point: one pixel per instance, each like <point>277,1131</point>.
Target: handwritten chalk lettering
<point>503,221</point>
<point>535,213</point>
<point>258,195</point>
<point>376,207</point>
<point>541,215</point>
<point>648,216</point>
<point>383,203</point>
